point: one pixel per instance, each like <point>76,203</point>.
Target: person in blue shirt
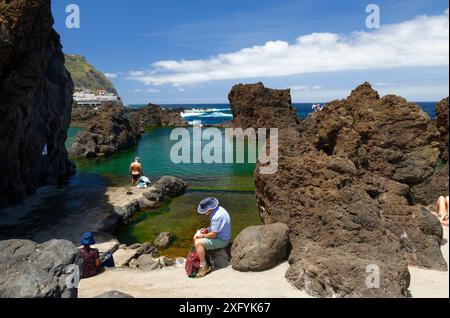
<point>216,236</point>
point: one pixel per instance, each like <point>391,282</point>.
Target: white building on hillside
<point>89,99</point>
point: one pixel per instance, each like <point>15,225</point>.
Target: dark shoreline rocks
<point>35,101</point>
<point>155,116</point>
<point>437,184</point>
<point>255,106</point>
<point>343,187</point>
<point>107,132</point>
<point>31,270</point>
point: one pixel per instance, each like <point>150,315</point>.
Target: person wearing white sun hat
<point>216,236</point>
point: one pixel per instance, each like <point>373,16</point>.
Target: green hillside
<point>85,76</point>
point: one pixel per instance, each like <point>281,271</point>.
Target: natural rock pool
<point>232,184</point>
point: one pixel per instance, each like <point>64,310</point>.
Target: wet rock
<point>259,248</point>
<point>109,131</point>
<point>255,106</point>
<point>147,249</point>
<point>343,187</point>
<point>114,294</point>
<point>35,101</point>
<point>171,186</point>
<point>31,270</point>
<point>163,240</point>
<point>155,116</point>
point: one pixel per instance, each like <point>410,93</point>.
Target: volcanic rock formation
<point>35,100</point>
<point>343,188</point>
<point>106,133</point>
<point>259,107</point>
<point>155,116</point>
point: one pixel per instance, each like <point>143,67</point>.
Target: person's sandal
<point>203,272</point>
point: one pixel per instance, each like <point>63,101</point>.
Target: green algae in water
<point>232,184</point>
<point>181,219</point>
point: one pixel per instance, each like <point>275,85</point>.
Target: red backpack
<point>192,265</point>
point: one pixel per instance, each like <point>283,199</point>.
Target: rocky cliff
<point>442,123</point>
<point>154,116</point>
<point>107,132</point>
<point>437,184</point>
<point>35,100</point>
<point>343,188</point>
<point>255,106</point>
<point>87,77</point>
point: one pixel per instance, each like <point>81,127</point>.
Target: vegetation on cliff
<point>86,76</point>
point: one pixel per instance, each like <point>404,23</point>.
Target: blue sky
<point>213,45</point>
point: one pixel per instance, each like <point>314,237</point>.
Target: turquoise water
<point>232,184</point>
<point>154,150</point>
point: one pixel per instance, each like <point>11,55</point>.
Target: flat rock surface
<point>122,256</point>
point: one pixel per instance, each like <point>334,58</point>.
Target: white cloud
<point>137,90</point>
<point>423,41</point>
<point>111,75</point>
<point>152,90</point>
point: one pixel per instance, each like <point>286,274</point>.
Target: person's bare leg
<point>201,252</point>
<point>441,207</point>
<point>446,203</point>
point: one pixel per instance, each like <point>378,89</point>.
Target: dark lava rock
<point>163,240</point>
<point>259,248</point>
<point>442,123</point>
<point>155,116</point>
<point>255,106</point>
<point>437,185</point>
<point>343,188</point>
<point>108,132</point>
<point>171,186</point>
<point>31,270</point>
<point>35,100</point>
<point>81,116</point>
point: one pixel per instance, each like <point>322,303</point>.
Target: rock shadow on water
<point>61,212</point>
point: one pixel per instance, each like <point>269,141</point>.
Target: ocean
<point>211,114</point>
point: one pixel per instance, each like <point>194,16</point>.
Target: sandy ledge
<point>228,283</point>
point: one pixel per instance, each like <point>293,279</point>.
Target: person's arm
<point>210,235</point>
<point>97,259</point>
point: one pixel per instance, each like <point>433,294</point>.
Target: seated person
<point>442,207</point>
<point>217,236</point>
<point>90,256</point>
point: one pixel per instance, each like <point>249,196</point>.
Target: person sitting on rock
<point>216,236</point>
<point>89,255</point>
<point>136,171</point>
<point>442,207</point>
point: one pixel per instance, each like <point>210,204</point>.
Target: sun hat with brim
<point>207,204</point>
<point>87,239</point>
